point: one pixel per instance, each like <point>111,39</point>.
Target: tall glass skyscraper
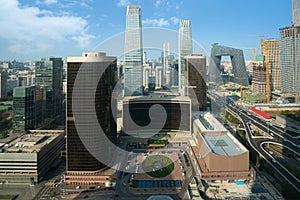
<point>83,167</point>
<point>290,54</point>
<point>185,49</point>
<point>133,77</point>
<point>290,60</point>
<point>48,75</point>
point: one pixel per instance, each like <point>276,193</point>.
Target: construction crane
<point>261,40</point>
<point>241,92</point>
<point>254,52</point>
<point>249,95</point>
<point>268,88</point>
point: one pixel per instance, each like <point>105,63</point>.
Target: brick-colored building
<point>219,155</point>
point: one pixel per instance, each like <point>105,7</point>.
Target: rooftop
<point>216,136</point>
<point>224,145</point>
<point>29,143</point>
<point>207,122</point>
<point>156,97</point>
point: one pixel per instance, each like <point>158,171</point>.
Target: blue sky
<point>32,29</point>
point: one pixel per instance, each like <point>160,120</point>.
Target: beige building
<point>220,156</point>
<point>26,159</point>
<point>274,61</point>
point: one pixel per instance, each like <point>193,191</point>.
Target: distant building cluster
<point>92,91</point>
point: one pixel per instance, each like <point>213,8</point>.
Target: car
<point>271,152</point>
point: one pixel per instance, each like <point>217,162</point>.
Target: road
<point>277,135</point>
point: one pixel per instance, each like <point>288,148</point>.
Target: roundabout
<point>158,166</point>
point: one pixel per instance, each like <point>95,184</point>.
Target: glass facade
<point>48,75</point>
<point>133,77</point>
<point>196,81</point>
<point>178,113</point>
<point>79,157</point>
<point>3,84</point>
<point>290,60</point>
<point>24,107</point>
<point>185,48</point>
<point>237,60</point>
<point>296,12</point>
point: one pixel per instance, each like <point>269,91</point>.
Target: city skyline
<point>32,25</point>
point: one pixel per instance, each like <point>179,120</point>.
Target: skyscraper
<point>24,107</point>
<point>3,84</point>
<point>290,60</point>
<point>290,54</point>
<point>166,66</point>
<point>185,48</point>
<point>82,166</point>
<point>48,75</point>
<point>296,12</point>
<point>133,77</point>
<point>195,76</point>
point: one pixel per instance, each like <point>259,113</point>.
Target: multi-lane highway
<point>276,135</point>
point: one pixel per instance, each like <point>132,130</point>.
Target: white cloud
<point>30,29</point>
<point>175,20</point>
<point>157,3</point>
<point>156,22</point>
<point>50,1</point>
<point>47,2</point>
<point>123,3</point>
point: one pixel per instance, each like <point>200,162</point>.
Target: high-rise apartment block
<point>82,166</point>
<point>195,76</point>
<point>48,75</point>
<point>274,61</point>
<point>185,48</point>
<point>133,77</point>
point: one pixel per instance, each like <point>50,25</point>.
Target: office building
<point>133,83</point>
<point>274,61</point>
<point>158,77</point>
<point>24,107</point>
<point>83,166</point>
<point>173,71</point>
<point>48,75</point>
<point>219,155</point>
<point>11,84</point>
<point>240,74</point>
<point>166,66</point>
<point>3,84</point>
<point>136,112</point>
<point>26,159</point>
<point>144,57</point>
<point>290,60</point>
<point>146,77</point>
<point>185,48</point>
<point>195,76</point>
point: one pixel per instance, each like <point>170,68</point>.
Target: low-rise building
<point>219,155</point>
<point>26,159</point>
